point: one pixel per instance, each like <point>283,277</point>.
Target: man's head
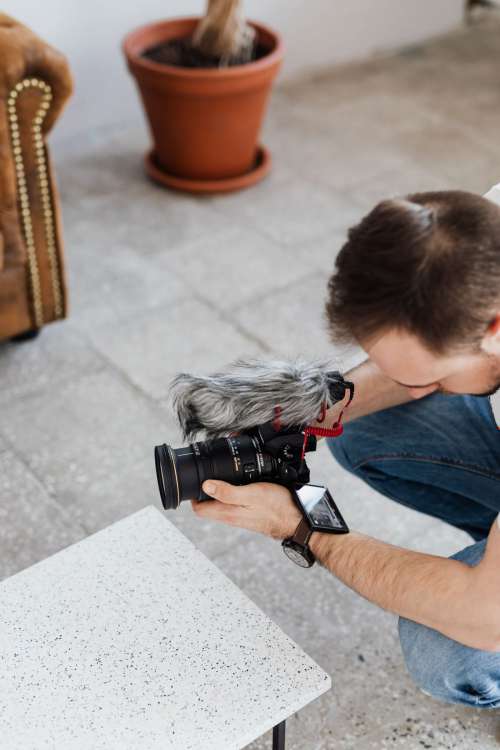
<point>417,284</point>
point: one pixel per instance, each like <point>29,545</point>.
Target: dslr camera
<point>261,454</point>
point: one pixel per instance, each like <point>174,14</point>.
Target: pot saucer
<point>261,167</point>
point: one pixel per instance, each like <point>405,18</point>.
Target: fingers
<point>230,494</point>
<point>246,495</point>
<point>231,515</point>
<point>216,511</point>
<point>263,507</point>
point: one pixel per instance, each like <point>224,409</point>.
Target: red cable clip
<point>334,431</point>
<point>277,418</point>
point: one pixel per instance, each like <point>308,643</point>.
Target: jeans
<point>441,456</point>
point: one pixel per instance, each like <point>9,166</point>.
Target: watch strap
<point>302,533</point>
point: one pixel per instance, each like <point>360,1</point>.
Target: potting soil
<point>180,52</point>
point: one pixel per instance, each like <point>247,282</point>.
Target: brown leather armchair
<point>35,83</point>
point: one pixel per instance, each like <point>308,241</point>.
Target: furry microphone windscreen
<point>246,394</point>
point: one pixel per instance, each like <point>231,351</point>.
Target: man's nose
<point>421,392</point>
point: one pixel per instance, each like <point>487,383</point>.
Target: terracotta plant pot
<point>205,122</point>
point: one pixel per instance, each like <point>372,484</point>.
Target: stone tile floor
<point>162,282</point>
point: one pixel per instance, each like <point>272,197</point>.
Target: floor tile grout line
<point>222,313</point>
<point>440,119</point>
<point>153,403</point>
<point>258,299</point>
<point>111,367</point>
<point>331,231</point>
<point>312,182</point>
<point>107,364</point>
<point>42,390</point>
<point>236,226</point>
<point>51,495</point>
<point>363,184</point>
<point>433,118</point>
<point>182,301</point>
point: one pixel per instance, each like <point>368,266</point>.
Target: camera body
<point>285,447</point>
<point>261,454</point>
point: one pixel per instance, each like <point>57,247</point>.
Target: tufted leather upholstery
<point>35,83</point>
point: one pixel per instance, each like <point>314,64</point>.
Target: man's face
<point>402,357</point>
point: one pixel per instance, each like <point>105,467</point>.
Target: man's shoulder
<point>495,405</point>
<point>493,194</point>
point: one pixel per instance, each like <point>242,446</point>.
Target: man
<point>417,285</point>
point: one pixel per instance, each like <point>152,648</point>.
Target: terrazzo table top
<point>132,638</point>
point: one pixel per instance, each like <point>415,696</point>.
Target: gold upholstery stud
<point>46,198</point>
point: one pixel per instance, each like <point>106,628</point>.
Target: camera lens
<point>182,471</point>
<point>177,474</point>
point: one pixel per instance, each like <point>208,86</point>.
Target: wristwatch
<point>319,513</point>
<point>296,547</point>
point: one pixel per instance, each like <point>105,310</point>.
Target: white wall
<point>317,33</point>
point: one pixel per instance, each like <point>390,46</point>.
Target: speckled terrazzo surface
<point>133,638</point>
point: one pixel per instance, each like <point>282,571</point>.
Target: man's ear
<point>491,341</point>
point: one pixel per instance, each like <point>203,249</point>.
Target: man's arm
<point>447,595</point>
<point>460,601</point>
<point>373,391</point>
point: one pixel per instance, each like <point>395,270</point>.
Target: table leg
<point>279,736</point>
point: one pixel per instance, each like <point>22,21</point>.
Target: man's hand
<point>263,507</point>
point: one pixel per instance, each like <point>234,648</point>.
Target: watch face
<point>294,553</point>
<point>320,509</point>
